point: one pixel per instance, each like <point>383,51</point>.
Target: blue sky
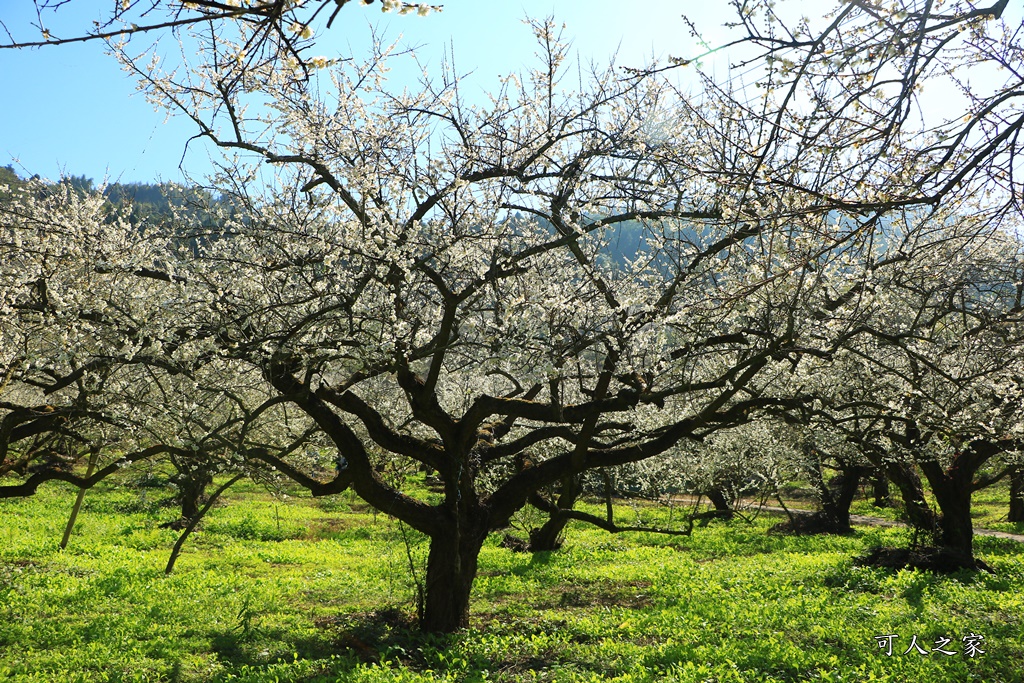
<point>71,110</point>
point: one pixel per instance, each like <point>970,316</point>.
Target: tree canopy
<point>430,282</point>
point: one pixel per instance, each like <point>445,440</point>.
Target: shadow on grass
<point>245,656</point>
<point>541,557</point>
<point>386,634</point>
<point>344,644</point>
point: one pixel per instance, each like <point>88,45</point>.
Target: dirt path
<point>855,519</point>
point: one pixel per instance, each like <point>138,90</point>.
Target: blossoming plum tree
<point>54,246</point>
<point>931,380</point>
<point>276,26</point>
<point>926,94</point>
<point>455,259</point>
<point>428,280</point>
<point>93,367</point>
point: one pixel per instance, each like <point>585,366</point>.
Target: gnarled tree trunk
<point>192,492</point>
<point>721,503</point>
<point>548,536</point>
<point>956,528</point>
<point>836,498</point>
<point>191,480</point>
<point>451,569</point>
<point>916,508</point>
<point>953,487</point>
<point>880,489</point>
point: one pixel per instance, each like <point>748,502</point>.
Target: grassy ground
<point>320,590</point>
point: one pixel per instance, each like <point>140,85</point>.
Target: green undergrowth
<point>297,589</point>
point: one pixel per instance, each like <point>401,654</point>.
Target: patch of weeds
<point>854,578</point>
<point>248,528</point>
<point>327,528</point>
<point>150,480</point>
<point>812,524</point>
<point>386,634</point>
<point>334,503</point>
<point>600,594</point>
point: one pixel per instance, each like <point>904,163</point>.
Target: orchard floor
<point>296,589</point>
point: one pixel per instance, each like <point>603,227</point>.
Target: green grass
<point>319,590</point>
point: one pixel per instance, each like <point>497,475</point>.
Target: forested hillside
<point>147,201</point>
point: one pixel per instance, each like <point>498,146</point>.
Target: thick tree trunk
<point>957,527</point>
<point>191,485</point>
<point>194,522</point>
<point>451,569</point>
<point>837,498</point>
<point>953,496</point>
<point>834,499</point>
<point>1016,495</point>
<point>953,487</point>
<point>548,537</point>
<point>721,503</point>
